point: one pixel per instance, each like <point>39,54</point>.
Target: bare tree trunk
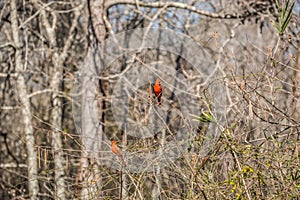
<point>97,34</point>
<point>25,108</point>
<point>56,136</point>
<point>296,89</point>
<point>56,113</point>
<point>89,172</point>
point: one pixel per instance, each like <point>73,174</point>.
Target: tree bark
<point>89,171</point>
<point>296,89</point>
<point>33,186</point>
<point>56,112</point>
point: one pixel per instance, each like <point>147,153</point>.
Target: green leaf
<point>282,16</point>
<point>285,16</point>
<point>276,26</point>
<point>287,5</point>
<point>204,117</point>
<point>234,126</point>
<point>277,4</point>
<point>288,18</point>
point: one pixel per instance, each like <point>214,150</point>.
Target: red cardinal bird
<point>115,149</point>
<point>157,89</point>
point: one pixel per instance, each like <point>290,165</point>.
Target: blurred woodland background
<point>256,45</point>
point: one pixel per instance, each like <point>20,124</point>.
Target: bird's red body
<point>157,89</point>
<point>115,149</point>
